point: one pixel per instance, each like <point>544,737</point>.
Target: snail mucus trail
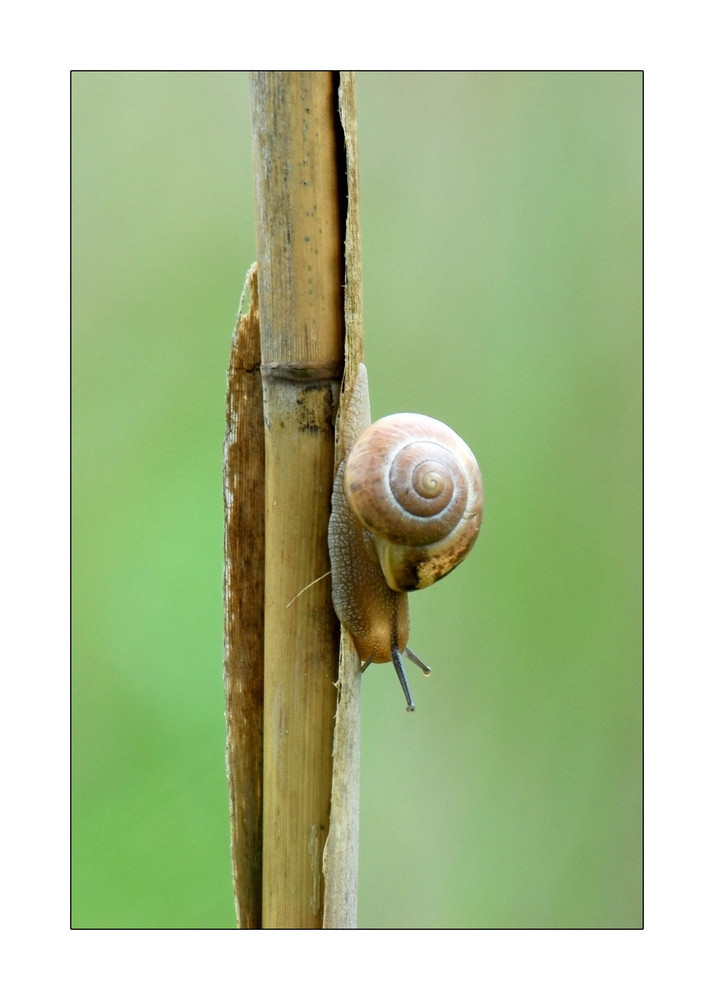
<point>407,505</point>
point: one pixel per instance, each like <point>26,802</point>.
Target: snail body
<point>407,505</point>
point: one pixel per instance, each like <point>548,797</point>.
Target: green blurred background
<point>501,220</point>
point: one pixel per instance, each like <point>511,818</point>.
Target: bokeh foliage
<point>501,218</point>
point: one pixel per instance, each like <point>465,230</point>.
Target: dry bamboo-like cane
<point>341,851</point>
<point>294,767</point>
<point>300,234</point>
<point>244,489</point>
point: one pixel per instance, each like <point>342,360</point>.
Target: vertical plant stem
<point>340,860</point>
<point>300,230</point>
<point>289,789</point>
<point>244,491</point>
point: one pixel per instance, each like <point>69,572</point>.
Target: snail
<point>407,503</point>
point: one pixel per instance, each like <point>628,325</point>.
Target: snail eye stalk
<point>399,667</point>
<point>415,659</point>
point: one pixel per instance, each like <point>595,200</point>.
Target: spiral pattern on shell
<point>411,481</point>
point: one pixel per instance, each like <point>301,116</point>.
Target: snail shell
<point>415,486</point>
